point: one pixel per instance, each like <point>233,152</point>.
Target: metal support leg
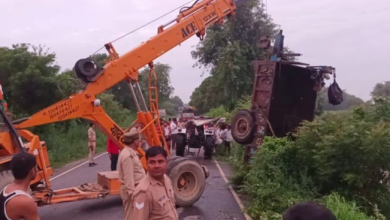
<point>143,103</point>
<point>134,96</point>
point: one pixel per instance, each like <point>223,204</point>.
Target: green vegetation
<point>227,52</point>
<point>340,159</point>
<point>32,81</point>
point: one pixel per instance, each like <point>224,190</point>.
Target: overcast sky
<point>351,35</point>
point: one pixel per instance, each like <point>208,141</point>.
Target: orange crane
<point>188,176</point>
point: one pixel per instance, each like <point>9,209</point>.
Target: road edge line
<point>70,170</point>
<point>238,200</point>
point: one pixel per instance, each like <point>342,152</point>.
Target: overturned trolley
<point>284,94</point>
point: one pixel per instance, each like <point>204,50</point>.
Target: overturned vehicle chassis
<point>284,94</point>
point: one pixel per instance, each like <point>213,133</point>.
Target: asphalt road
<point>217,201</point>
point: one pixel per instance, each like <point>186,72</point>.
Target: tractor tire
<point>243,127</point>
<point>180,145</point>
<point>172,162</point>
<point>208,147</point>
<point>188,180</point>
<point>5,178</point>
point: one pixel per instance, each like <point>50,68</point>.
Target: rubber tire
<point>5,178</point>
<point>248,136</point>
<point>181,167</point>
<point>208,147</point>
<point>173,162</point>
<point>180,145</point>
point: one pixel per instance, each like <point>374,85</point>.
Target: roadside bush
<point>219,112</point>
<point>239,168</point>
<point>341,159</point>
<point>243,103</point>
<point>269,182</point>
<point>349,154</point>
<point>345,210</point>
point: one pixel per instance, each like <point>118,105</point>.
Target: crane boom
<point>191,21</point>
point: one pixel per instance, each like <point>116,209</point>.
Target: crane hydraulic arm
<point>191,21</point>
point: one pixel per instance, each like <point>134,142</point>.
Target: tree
<point>228,51</point>
<point>176,100</point>
<point>122,93</point>
<point>29,77</point>
<point>172,105</point>
<point>206,96</point>
<point>165,89</point>
<point>381,89</point>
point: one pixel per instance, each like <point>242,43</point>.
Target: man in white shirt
<point>226,136</point>
<point>174,131</point>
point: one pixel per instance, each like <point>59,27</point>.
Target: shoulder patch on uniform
<point>139,206</point>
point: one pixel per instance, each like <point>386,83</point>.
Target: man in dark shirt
<point>308,211</point>
<point>15,200</point>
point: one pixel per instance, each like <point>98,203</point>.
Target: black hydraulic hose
<point>12,131</point>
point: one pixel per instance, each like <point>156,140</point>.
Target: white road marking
<point>238,200</point>
<point>59,175</point>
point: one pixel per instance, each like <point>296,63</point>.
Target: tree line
<point>32,81</point>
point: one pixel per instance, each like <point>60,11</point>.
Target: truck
<point>284,94</point>
<point>196,134</point>
<point>192,20</point>
<point>187,112</point>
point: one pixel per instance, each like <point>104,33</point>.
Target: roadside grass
<point>67,141</point>
<point>69,144</point>
<point>220,153</point>
<point>347,210</point>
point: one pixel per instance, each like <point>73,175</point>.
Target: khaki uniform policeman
<point>91,144</point>
<point>153,198</point>
<point>130,169</point>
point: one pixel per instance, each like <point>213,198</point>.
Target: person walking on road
<point>226,135</point>
<point>154,197</point>
<point>15,200</point>
<point>91,144</point>
<point>167,134</point>
<point>130,170</point>
<point>113,153</point>
<point>174,131</point>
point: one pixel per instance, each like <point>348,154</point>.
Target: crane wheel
<point>5,178</point>
<point>188,180</point>
<point>86,69</point>
<point>243,127</point>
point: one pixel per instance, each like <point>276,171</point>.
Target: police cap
<point>131,136</point>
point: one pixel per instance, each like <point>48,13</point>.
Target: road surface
<point>217,201</point>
